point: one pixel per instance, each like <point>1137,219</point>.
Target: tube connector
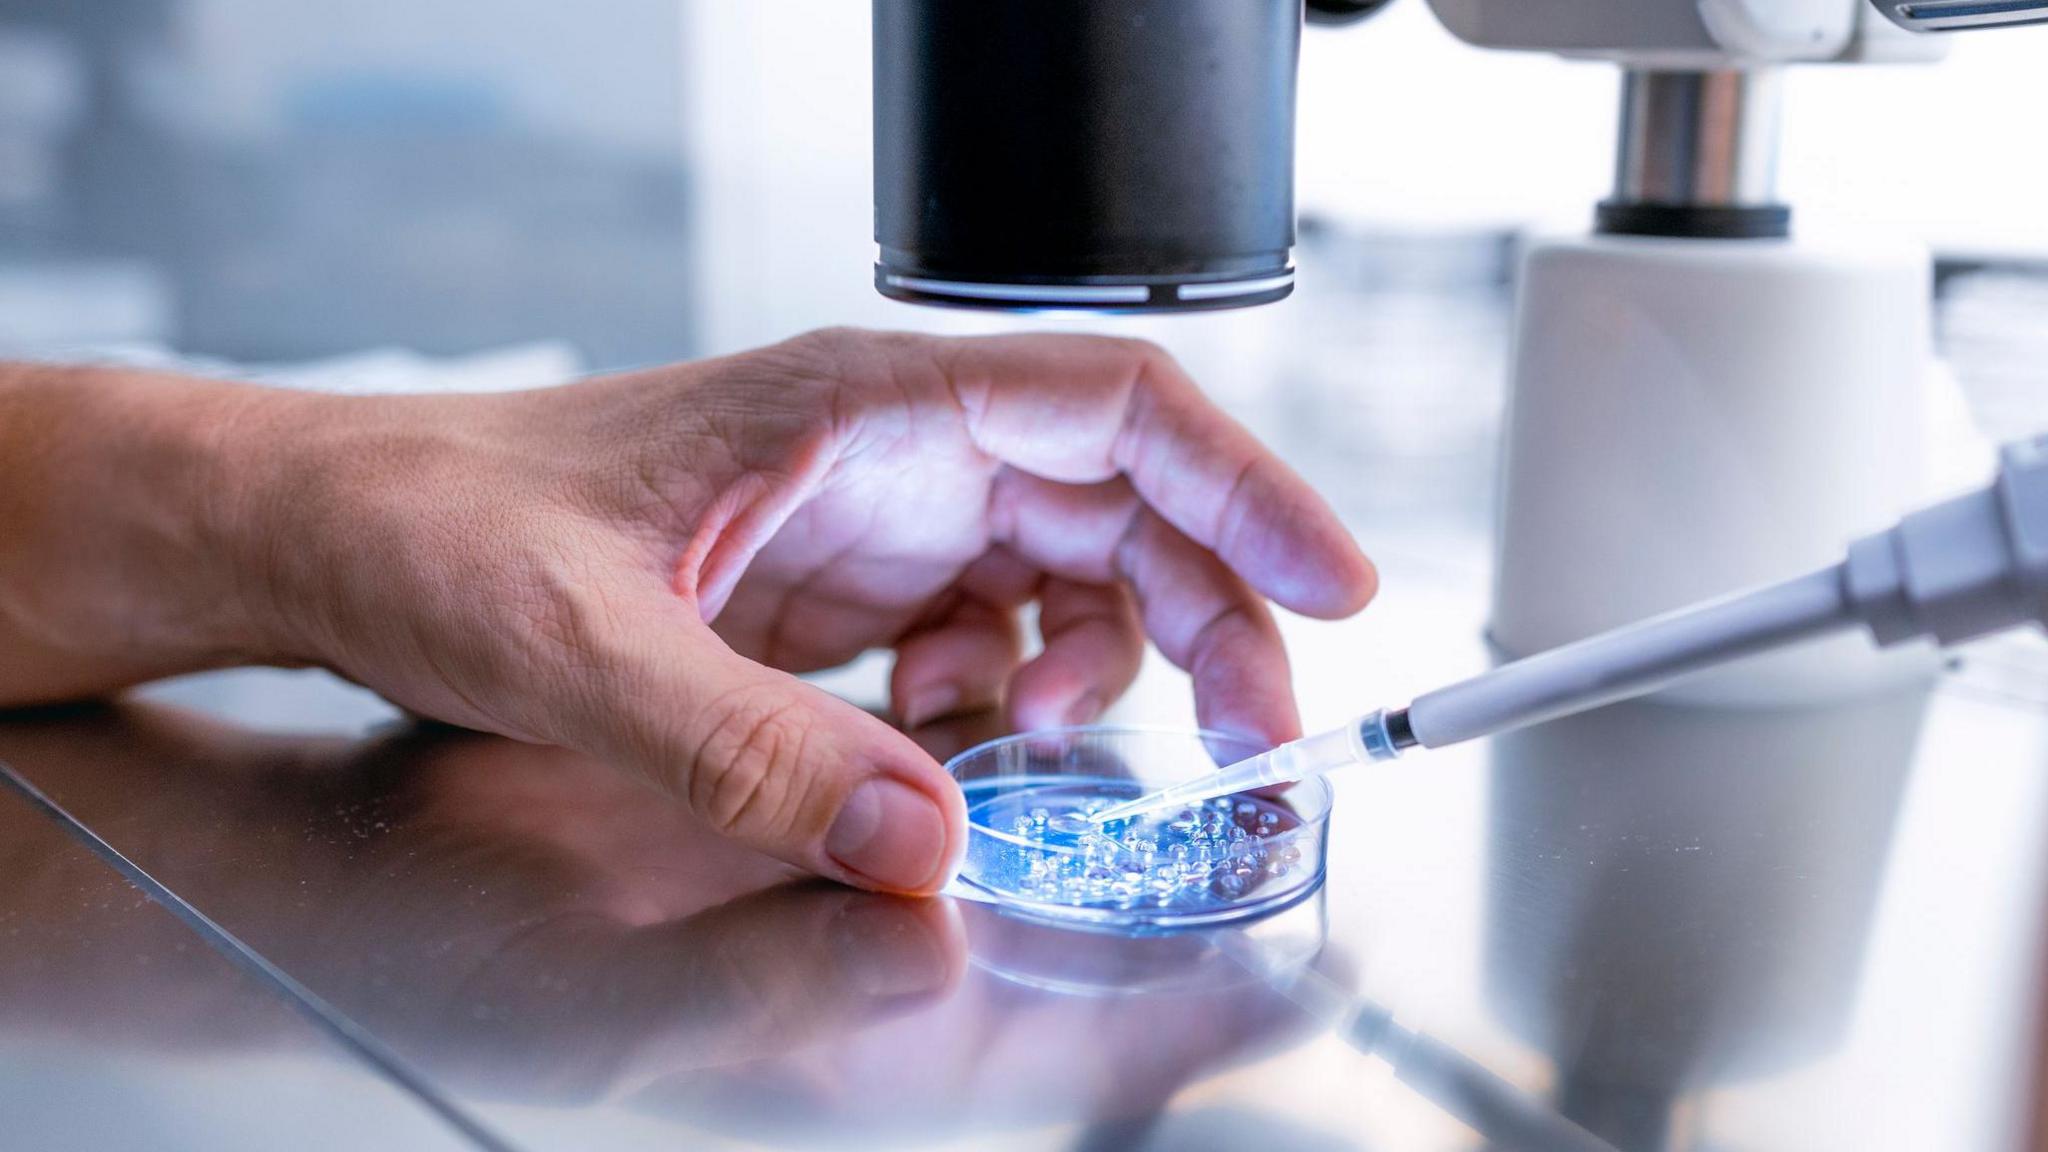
<point>1384,734</point>
<point>1964,568</point>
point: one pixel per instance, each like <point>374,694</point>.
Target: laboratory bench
<point>260,909</point>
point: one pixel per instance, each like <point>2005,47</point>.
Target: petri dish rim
<point>1310,801</point>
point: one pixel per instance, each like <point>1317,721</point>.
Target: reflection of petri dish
<point>1031,847</point>
<point>1048,955</point>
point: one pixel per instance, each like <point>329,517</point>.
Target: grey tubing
<point>1632,660</point>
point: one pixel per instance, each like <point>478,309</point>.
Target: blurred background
<point>491,194</point>
<point>502,193</point>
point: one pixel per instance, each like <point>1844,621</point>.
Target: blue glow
<point>1034,845</point>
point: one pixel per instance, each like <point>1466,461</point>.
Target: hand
<point>635,566</point>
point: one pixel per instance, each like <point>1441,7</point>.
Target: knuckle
<point>818,355</point>
<point>833,336</point>
<point>567,609</point>
<point>1139,357</point>
<point>831,352</point>
<point>1147,351</point>
<point>569,636</point>
<point>748,768</point>
<point>822,346</point>
<point>1233,508</point>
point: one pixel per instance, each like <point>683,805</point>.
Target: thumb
<point>773,762</point>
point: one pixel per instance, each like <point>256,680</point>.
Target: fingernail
<point>887,950</point>
<point>930,704</point>
<point>1086,710</point>
<point>890,834</point>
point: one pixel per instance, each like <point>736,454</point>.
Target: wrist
<point>195,468</point>
<point>123,550</point>
<point>321,510</point>
<point>251,449</point>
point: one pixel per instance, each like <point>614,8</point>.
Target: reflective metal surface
<point>1699,138</point>
<point>1647,928</point>
<point>120,1029</point>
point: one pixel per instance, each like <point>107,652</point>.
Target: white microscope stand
<point>1689,416</point>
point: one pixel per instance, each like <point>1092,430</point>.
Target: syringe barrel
<point>1630,661</point>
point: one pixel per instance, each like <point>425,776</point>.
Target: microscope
<point>1707,392</point>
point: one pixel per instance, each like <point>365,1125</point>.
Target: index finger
<point>1082,409</point>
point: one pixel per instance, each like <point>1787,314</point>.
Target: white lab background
<point>417,194</point>
<point>283,180</point>
<point>1401,126</point>
<point>472,194</point>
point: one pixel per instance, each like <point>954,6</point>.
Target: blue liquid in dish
<point>1033,846</point>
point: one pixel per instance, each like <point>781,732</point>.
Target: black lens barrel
<point>1117,155</point>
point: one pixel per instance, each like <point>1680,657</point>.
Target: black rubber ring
<point>1400,729</point>
<point>1695,222</point>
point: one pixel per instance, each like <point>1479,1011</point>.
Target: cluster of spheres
<point>1041,846</point>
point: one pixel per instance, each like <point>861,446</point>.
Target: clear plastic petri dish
<point>1032,849</point>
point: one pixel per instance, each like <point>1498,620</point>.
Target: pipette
<point>1952,572</point>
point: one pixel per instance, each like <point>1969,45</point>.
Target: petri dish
<point>1031,848</point>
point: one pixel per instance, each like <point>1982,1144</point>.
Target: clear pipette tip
<point>1372,737</point>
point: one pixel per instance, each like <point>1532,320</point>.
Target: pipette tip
<point>1381,735</point>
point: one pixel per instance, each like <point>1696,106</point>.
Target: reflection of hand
<point>634,566</point>
<point>575,1008</point>
<point>621,951</point>
<point>573,941</point>
<point>519,920</point>
<point>511,916</point>
<point>999,1055</point>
